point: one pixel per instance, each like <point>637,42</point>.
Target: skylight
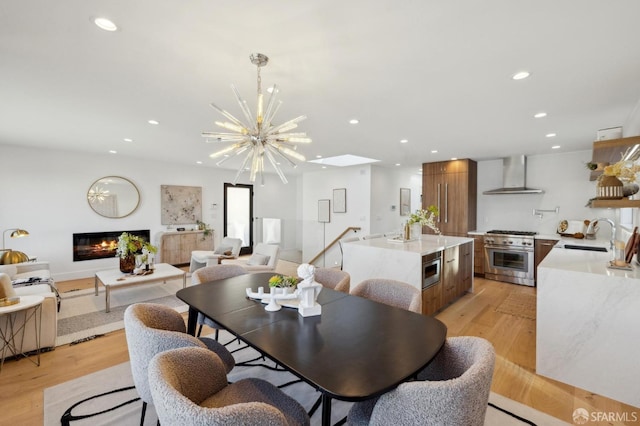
<point>344,160</point>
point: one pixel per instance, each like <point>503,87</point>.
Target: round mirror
<point>113,196</point>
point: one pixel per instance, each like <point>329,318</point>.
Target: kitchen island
<point>440,266</point>
<point>588,323</point>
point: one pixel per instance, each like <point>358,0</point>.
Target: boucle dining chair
<point>454,389</point>
<point>152,328</point>
<point>390,292</point>
<point>333,278</point>
<point>229,248</point>
<point>214,273</point>
<point>190,387</point>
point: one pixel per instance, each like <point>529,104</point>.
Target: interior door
<point>238,214</point>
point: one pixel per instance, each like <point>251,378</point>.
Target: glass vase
<point>127,264</point>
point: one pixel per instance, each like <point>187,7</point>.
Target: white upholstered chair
<point>152,328</point>
<point>390,292</point>
<point>333,278</point>
<point>213,273</point>
<point>229,247</point>
<point>453,390</point>
<point>263,259</point>
<point>190,387</point>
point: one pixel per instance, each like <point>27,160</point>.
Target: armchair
<point>263,259</point>
<point>201,258</point>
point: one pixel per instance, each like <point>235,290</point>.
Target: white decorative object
<point>308,291</point>
<point>272,297</point>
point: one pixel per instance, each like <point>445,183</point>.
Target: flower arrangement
<point>624,170</point>
<point>129,244</point>
<point>425,217</point>
<point>282,281</point>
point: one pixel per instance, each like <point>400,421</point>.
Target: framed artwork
<point>323,211</point>
<point>340,200</point>
<point>181,205</point>
<point>405,201</point>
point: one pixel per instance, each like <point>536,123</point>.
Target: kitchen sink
<point>588,248</point>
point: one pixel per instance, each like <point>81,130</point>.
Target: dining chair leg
<point>217,333</point>
<point>144,410</point>
<point>200,331</point>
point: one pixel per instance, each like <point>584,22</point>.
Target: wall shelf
<point>615,204</point>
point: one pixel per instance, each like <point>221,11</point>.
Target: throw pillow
<point>257,259</point>
<point>6,289</point>
<point>223,250</point>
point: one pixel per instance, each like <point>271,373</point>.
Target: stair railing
<point>334,242</point>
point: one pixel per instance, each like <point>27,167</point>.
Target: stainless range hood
<point>514,172</point>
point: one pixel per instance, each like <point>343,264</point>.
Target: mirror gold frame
<point>113,197</point>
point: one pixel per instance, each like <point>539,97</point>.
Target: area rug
<point>519,304</point>
<point>82,313</point>
<point>58,399</point>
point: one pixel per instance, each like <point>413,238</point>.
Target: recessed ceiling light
<point>113,152</point>
<point>324,167</point>
<point>154,122</point>
<point>397,164</point>
<point>555,147</point>
<point>354,121</point>
<point>105,24</point>
<point>434,151</point>
<point>454,158</point>
<point>128,140</point>
<point>540,115</point>
<point>404,140</point>
<point>520,75</point>
<point>550,135</point>
<point>318,156</point>
<point>198,162</point>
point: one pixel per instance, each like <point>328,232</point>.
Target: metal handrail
<point>332,243</point>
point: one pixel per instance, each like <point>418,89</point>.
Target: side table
<point>14,329</point>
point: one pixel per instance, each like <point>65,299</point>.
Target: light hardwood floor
<point>22,384</point>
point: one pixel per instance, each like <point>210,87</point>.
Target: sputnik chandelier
<point>257,137</point>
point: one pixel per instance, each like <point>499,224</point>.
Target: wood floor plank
<point>22,384</point>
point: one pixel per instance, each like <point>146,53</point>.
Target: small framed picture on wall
<point>405,201</point>
<point>340,200</point>
<point>323,211</point>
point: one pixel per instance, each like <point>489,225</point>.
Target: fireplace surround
<point>100,245</point>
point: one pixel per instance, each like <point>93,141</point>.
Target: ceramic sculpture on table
<point>308,291</point>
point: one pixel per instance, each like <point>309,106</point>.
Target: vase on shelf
<point>609,188</point>
<point>127,263</point>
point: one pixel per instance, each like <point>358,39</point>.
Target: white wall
<point>320,185</point>
<point>44,192</point>
<point>385,193</point>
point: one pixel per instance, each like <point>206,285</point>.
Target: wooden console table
<point>175,247</point>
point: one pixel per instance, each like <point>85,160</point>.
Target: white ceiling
<point>437,73</point>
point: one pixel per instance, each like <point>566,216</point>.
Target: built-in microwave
<point>431,269</point>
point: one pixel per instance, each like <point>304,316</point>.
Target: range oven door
<point>511,265</point>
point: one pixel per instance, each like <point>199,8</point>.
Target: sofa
<point>23,276</point>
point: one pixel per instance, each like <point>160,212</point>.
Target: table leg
<point>107,298</point>
<point>326,410</point>
<point>184,280</point>
<point>95,282</point>
<point>191,321</point>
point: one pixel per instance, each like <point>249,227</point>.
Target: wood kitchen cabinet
<point>432,299</point>
<point>457,272</point>
<point>451,186</point>
<point>478,255</point>
<point>541,250</point>
<point>175,247</point>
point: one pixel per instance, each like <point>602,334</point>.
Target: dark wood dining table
<point>356,349</point>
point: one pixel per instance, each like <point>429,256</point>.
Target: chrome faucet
<point>592,232</point>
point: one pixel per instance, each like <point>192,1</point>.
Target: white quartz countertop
<point>426,244</point>
<point>593,262</point>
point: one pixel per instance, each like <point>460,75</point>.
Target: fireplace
<point>100,245</point>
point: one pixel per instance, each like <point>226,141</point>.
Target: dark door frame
<point>244,249</point>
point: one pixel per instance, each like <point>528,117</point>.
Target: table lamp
<point>9,256</point>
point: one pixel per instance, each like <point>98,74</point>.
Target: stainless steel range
<point>509,256</point>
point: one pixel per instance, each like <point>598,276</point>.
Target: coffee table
<point>113,278</point>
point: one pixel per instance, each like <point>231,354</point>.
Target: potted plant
<point>204,227</point>
<point>283,282</point>
<point>424,217</point>
<point>129,246</point>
